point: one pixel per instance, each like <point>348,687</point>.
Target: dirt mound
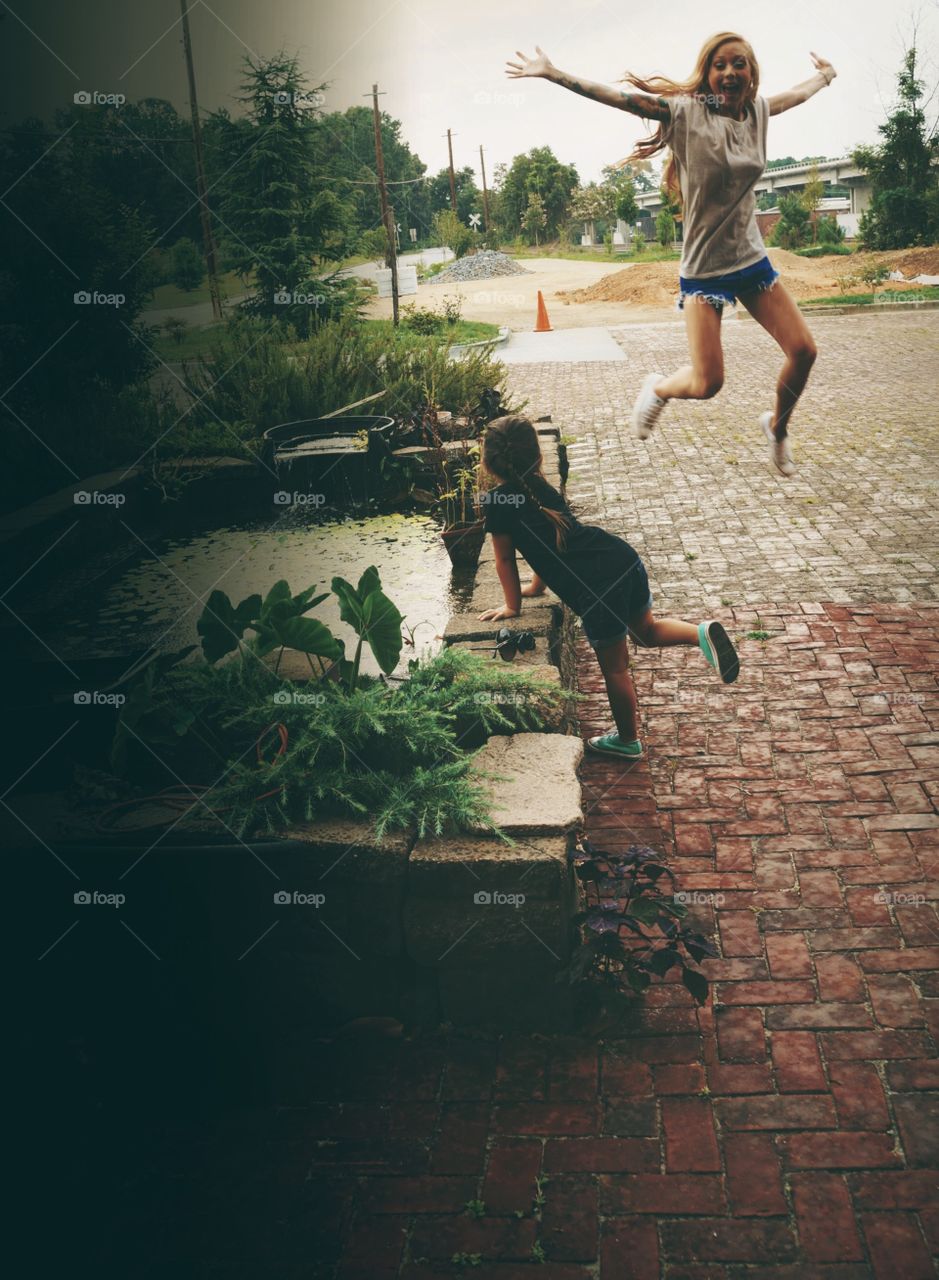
<point>655,284</point>
<point>912,262</point>
<point>647,284</point>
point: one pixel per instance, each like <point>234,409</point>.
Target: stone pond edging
<point>463,929</point>
<point>442,925</point>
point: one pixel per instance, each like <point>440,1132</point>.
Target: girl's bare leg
<point>663,633</point>
<point>614,663</point>
<point>704,377</point>
<point>777,312</point>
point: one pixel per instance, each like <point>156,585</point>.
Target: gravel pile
<point>481,266</point>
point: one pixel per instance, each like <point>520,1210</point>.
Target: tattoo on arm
<point>649,108</point>
<point>568,82</point>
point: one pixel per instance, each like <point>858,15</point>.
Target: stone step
<point>537,791</point>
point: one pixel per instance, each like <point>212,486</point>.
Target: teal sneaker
<point>609,744</point>
<point>718,648</point>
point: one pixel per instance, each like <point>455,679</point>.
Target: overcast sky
<point>440,63</point>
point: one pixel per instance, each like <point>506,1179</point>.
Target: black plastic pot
<point>287,435</point>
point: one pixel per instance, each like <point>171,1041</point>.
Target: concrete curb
<point>499,341</point>
<point>850,309</point>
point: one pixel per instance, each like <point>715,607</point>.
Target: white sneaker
<point>647,408</point>
<point>780,455</point>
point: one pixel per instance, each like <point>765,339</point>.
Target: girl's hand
<point>827,70</point>
<point>539,66</point>
<point>530,589</point>
<point>496,615</point>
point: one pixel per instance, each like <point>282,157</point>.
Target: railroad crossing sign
<point>474,220</point>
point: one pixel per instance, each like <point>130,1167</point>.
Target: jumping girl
<point>598,575</point>
<point>715,125</point>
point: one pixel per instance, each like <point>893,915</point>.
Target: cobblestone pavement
<point>787,1129</point>
<point>701,505</point>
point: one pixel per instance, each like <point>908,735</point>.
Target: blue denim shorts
<point>607,621</point>
<point>727,288</point>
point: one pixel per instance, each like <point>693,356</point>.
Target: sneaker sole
<point>728,664</point>
<point>611,751</point>
<point>640,432</point>
<point>765,420</point>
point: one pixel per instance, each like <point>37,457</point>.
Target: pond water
<point>156,598</point>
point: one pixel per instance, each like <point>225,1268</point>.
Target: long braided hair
<point>512,454</point>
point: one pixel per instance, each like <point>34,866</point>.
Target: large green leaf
<point>372,616</point>
<point>309,636</point>
<point>221,626</point>
<point>279,611</point>
<point>382,629</point>
<point>350,606</point>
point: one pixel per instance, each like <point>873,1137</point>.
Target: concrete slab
<point>538,618</point>
<point>561,345</point>
<point>536,790</point>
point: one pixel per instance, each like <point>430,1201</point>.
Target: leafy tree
<point>450,231</point>
<point>812,194</point>
<point>188,266</point>
<point>540,173</point>
<point>904,208</point>
<point>593,203</point>
<point>344,155</point>
<point>792,229</point>
<point>469,198</point>
<point>535,217</point>
<point>142,157</point>
<point>76,273</point>
<point>627,208</point>
<point>280,220</point>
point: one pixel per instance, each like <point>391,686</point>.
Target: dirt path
<point>512,300</point>
<point>580,294</point>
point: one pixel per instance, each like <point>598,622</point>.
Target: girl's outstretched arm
<point>824,75</point>
<point>639,104</point>
<point>507,569</point>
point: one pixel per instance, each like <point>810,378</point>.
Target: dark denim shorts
<point>727,288</point>
<point>608,620</point>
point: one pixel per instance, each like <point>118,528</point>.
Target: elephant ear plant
<point>623,899</point>
<point>261,751</point>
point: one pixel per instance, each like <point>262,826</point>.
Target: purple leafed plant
<point>631,930</point>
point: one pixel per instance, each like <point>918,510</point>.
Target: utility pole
<point>386,212</point>
<point>452,177</point>
<point>482,165</point>
<point>207,239</point>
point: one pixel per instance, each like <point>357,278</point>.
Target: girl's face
<point>729,77</point>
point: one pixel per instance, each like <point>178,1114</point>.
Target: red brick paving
<point>786,1130</point>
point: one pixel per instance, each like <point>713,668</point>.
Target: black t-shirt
<point>593,564</point>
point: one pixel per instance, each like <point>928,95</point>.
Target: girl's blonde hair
<point>697,83</point>
<point>511,454</point>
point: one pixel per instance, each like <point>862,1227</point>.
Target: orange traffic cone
<point>542,323</point>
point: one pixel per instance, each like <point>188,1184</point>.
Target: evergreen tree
<point>792,229</point>
<point>904,208</point>
<point>280,219</point>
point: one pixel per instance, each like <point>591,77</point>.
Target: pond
<point>156,595</point>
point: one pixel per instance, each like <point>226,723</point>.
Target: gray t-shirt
<point>719,160</point>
